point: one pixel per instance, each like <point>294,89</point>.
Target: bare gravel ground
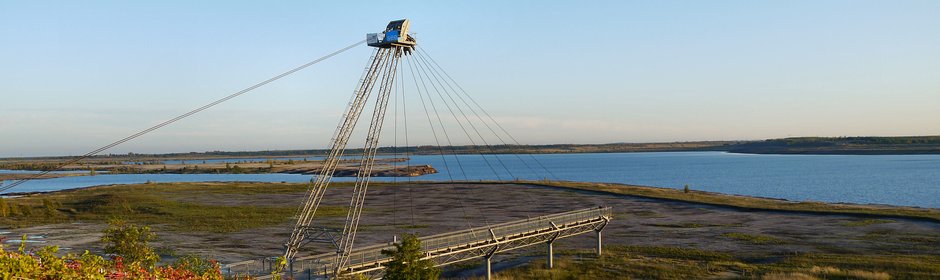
<point>431,208</point>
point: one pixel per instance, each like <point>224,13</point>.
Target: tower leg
<point>599,242</point>
<point>489,268</point>
<point>551,258</point>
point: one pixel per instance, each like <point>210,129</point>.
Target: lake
<point>909,180</point>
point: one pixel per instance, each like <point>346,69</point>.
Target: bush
<point>130,242</point>
<point>195,263</point>
<point>43,264</point>
<point>406,261</point>
<point>4,208</point>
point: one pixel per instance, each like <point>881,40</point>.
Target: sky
<point>77,75</point>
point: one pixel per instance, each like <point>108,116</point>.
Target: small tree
<point>131,242</point>
<point>195,263</point>
<point>51,207</point>
<point>26,210</point>
<point>406,261</point>
<point>686,189</point>
<point>14,209</point>
<point>4,208</point>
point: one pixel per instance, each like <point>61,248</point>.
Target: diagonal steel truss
<point>382,70</point>
<point>367,161</point>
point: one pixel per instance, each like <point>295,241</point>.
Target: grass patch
<point>161,204</point>
<point>866,222</point>
<point>746,202</point>
<point>757,239</point>
<point>672,252</point>
<point>897,266</point>
<point>416,226</point>
<point>683,225</point>
<point>646,214</point>
<point>632,262</point>
<point>827,272</point>
<point>643,262</point>
<point>924,240</point>
<point>876,235</point>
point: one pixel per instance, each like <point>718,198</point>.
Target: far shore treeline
<point>864,145</point>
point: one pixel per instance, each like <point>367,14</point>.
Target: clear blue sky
<point>75,75</point>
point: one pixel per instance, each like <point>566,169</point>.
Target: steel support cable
<point>473,111</point>
<point>395,164</point>
<point>486,145</point>
<point>365,72</point>
<point>470,97</point>
<point>527,195</point>
<point>441,150</point>
<point>437,73</point>
<point>449,96</point>
<point>180,117</point>
<point>456,119</point>
<point>431,124</point>
<point>404,105</point>
<point>400,151</point>
<point>434,132</point>
<point>431,100</point>
<point>411,198</point>
<point>450,144</point>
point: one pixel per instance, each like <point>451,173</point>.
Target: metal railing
<point>371,258</point>
<point>445,248</point>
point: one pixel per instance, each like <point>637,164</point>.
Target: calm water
<point>912,180</point>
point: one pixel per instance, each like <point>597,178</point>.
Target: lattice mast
<point>391,44</point>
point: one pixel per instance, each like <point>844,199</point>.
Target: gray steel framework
<point>453,247</point>
<point>384,64</point>
<point>443,249</point>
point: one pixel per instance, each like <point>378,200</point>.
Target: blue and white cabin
<point>395,34</point>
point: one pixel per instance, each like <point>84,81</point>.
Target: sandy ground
<point>436,208</point>
<point>20,176</point>
<point>386,167</point>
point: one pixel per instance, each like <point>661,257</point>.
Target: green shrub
<point>406,261</point>
<point>130,242</point>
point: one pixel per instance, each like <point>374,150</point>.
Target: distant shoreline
<point>900,145</point>
<point>385,167</point>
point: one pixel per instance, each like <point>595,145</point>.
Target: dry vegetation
<point>636,262</point>
<point>165,204</point>
<point>656,234</point>
<point>746,202</point>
